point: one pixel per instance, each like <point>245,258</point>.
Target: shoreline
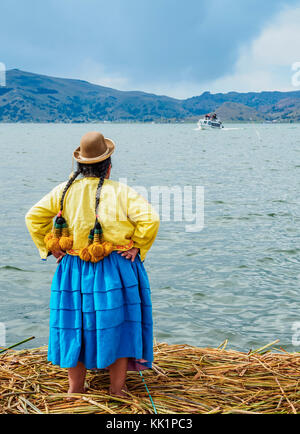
<point>184,379</point>
<point>168,122</point>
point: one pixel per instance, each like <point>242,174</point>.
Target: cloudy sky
<point>174,47</point>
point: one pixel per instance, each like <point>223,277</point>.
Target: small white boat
<point>210,122</point>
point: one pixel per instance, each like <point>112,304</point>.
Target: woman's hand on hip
<point>130,254</point>
<point>59,254</point>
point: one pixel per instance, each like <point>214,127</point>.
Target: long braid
<point>102,174</point>
<point>68,185</point>
<point>59,238</point>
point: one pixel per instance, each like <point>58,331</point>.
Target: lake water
<point>237,279</point>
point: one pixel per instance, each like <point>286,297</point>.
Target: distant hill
<point>233,111</point>
<point>30,97</point>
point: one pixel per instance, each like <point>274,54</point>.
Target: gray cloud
<point>146,41</point>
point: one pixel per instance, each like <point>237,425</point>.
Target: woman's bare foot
<point>117,373</point>
<point>73,392</point>
<point>120,393</point>
<point>77,379</point>
<point>81,390</point>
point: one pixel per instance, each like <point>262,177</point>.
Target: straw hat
<point>94,147</point>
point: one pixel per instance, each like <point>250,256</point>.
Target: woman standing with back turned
<point>100,305</point>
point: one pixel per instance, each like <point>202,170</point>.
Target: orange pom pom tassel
<point>107,247</point>
<point>84,254</point>
<point>53,245</point>
<point>96,249</point>
<point>66,243</point>
<point>96,258</point>
<point>48,237</point>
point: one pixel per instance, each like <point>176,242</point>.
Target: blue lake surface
<point>237,279</point>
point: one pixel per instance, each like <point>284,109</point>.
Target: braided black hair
<point>68,185</point>
<point>101,173</point>
<point>97,170</point>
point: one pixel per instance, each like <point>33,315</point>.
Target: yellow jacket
<point>124,216</point>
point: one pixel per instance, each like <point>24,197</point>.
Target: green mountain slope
<point>30,97</point>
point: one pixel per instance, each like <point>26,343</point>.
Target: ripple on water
<point>12,268</point>
<point>237,279</point>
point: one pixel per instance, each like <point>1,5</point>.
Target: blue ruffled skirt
<point>101,312</point>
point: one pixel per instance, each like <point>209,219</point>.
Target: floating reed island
<point>184,379</point>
